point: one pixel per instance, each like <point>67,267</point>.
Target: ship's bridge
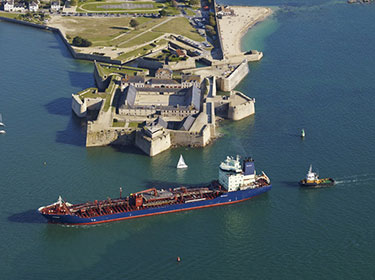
<point>231,164</point>
<point>233,175</point>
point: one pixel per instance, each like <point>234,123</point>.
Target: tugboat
<point>312,180</point>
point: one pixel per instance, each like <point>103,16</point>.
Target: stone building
<point>163,73</point>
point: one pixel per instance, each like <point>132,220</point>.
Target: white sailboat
<point>181,163</point>
<point>1,120</point>
<point>2,131</point>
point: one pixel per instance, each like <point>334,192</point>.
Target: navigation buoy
<point>178,259</point>
<point>45,163</point>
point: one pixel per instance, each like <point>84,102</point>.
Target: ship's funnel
<point>248,166</point>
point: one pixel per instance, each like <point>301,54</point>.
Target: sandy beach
<point>232,28</point>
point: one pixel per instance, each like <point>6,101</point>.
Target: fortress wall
<point>189,63</point>
<point>191,139</point>
<point>78,107</point>
<point>230,82</point>
<point>254,56</point>
<point>218,31</point>
<point>93,104</point>
<point>75,54</point>
<point>100,83</point>
<point>153,146</point>
<point>116,136</point>
<point>241,111</point>
<point>221,109</point>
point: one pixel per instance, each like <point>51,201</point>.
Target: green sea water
<point>317,74</point>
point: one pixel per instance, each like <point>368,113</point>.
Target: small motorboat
<point>2,131</point>
<point>303,133</point>
<point>312,180</point>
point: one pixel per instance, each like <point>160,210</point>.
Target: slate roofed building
<point>193,97</point>
<point>161,122</point>
<point>187,123</point>
<point>128,97</point>
<point>163,83</point>
<point>137,81</point>
<point>190,80</point>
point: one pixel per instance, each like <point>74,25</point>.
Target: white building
<point>19,8</point>
<point>55,6</point>
<point>9,6</point>
<point>33,7</point>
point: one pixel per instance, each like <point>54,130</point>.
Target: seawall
<point>76,55</point>
<point>230,82</point>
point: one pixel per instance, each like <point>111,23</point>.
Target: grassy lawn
<point>134,124</point>
<point>90,93</point>
<point>141,51</point>
<point>107,31</point>
<point>189,12</point>
<point>182,27</point>
<point>145,38</point>
<point>118,124</point>
<point>109,92</point>
<point>106,70</point>
<point>137,52</point>
<point>101,32</point>
<point>8,15</point>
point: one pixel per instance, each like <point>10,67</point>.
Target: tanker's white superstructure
<point>234,176</point>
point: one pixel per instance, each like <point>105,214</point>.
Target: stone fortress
<point>159,111</point>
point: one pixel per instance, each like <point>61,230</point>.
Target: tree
<point>212,21</point>
<point>194,2</point>
<point>134,23</point>
<point>163,13</point>
<point>81,42</point>
<point>210,30</point>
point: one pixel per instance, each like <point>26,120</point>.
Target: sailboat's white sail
<point>1,121</point>
<point>181,163</point>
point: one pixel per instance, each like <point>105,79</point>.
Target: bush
<point>210,30</point>
<point>212,21</point>
<point>134,23</point>
<point>81,42</point>
<point>163,13</point>
<point>194,2</point>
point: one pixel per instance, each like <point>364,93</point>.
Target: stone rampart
<point>230,82</point>
<point>105,137</point>
<point>239,111</point>
<point>74,53</point>
<point>78,106</point>
<point>153,146</point>
<point>191,139</point>
<point>101,82</point>
<point>218,32</point>
<point>189,63</point>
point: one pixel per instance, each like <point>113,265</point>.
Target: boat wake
<point>356,179</point>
